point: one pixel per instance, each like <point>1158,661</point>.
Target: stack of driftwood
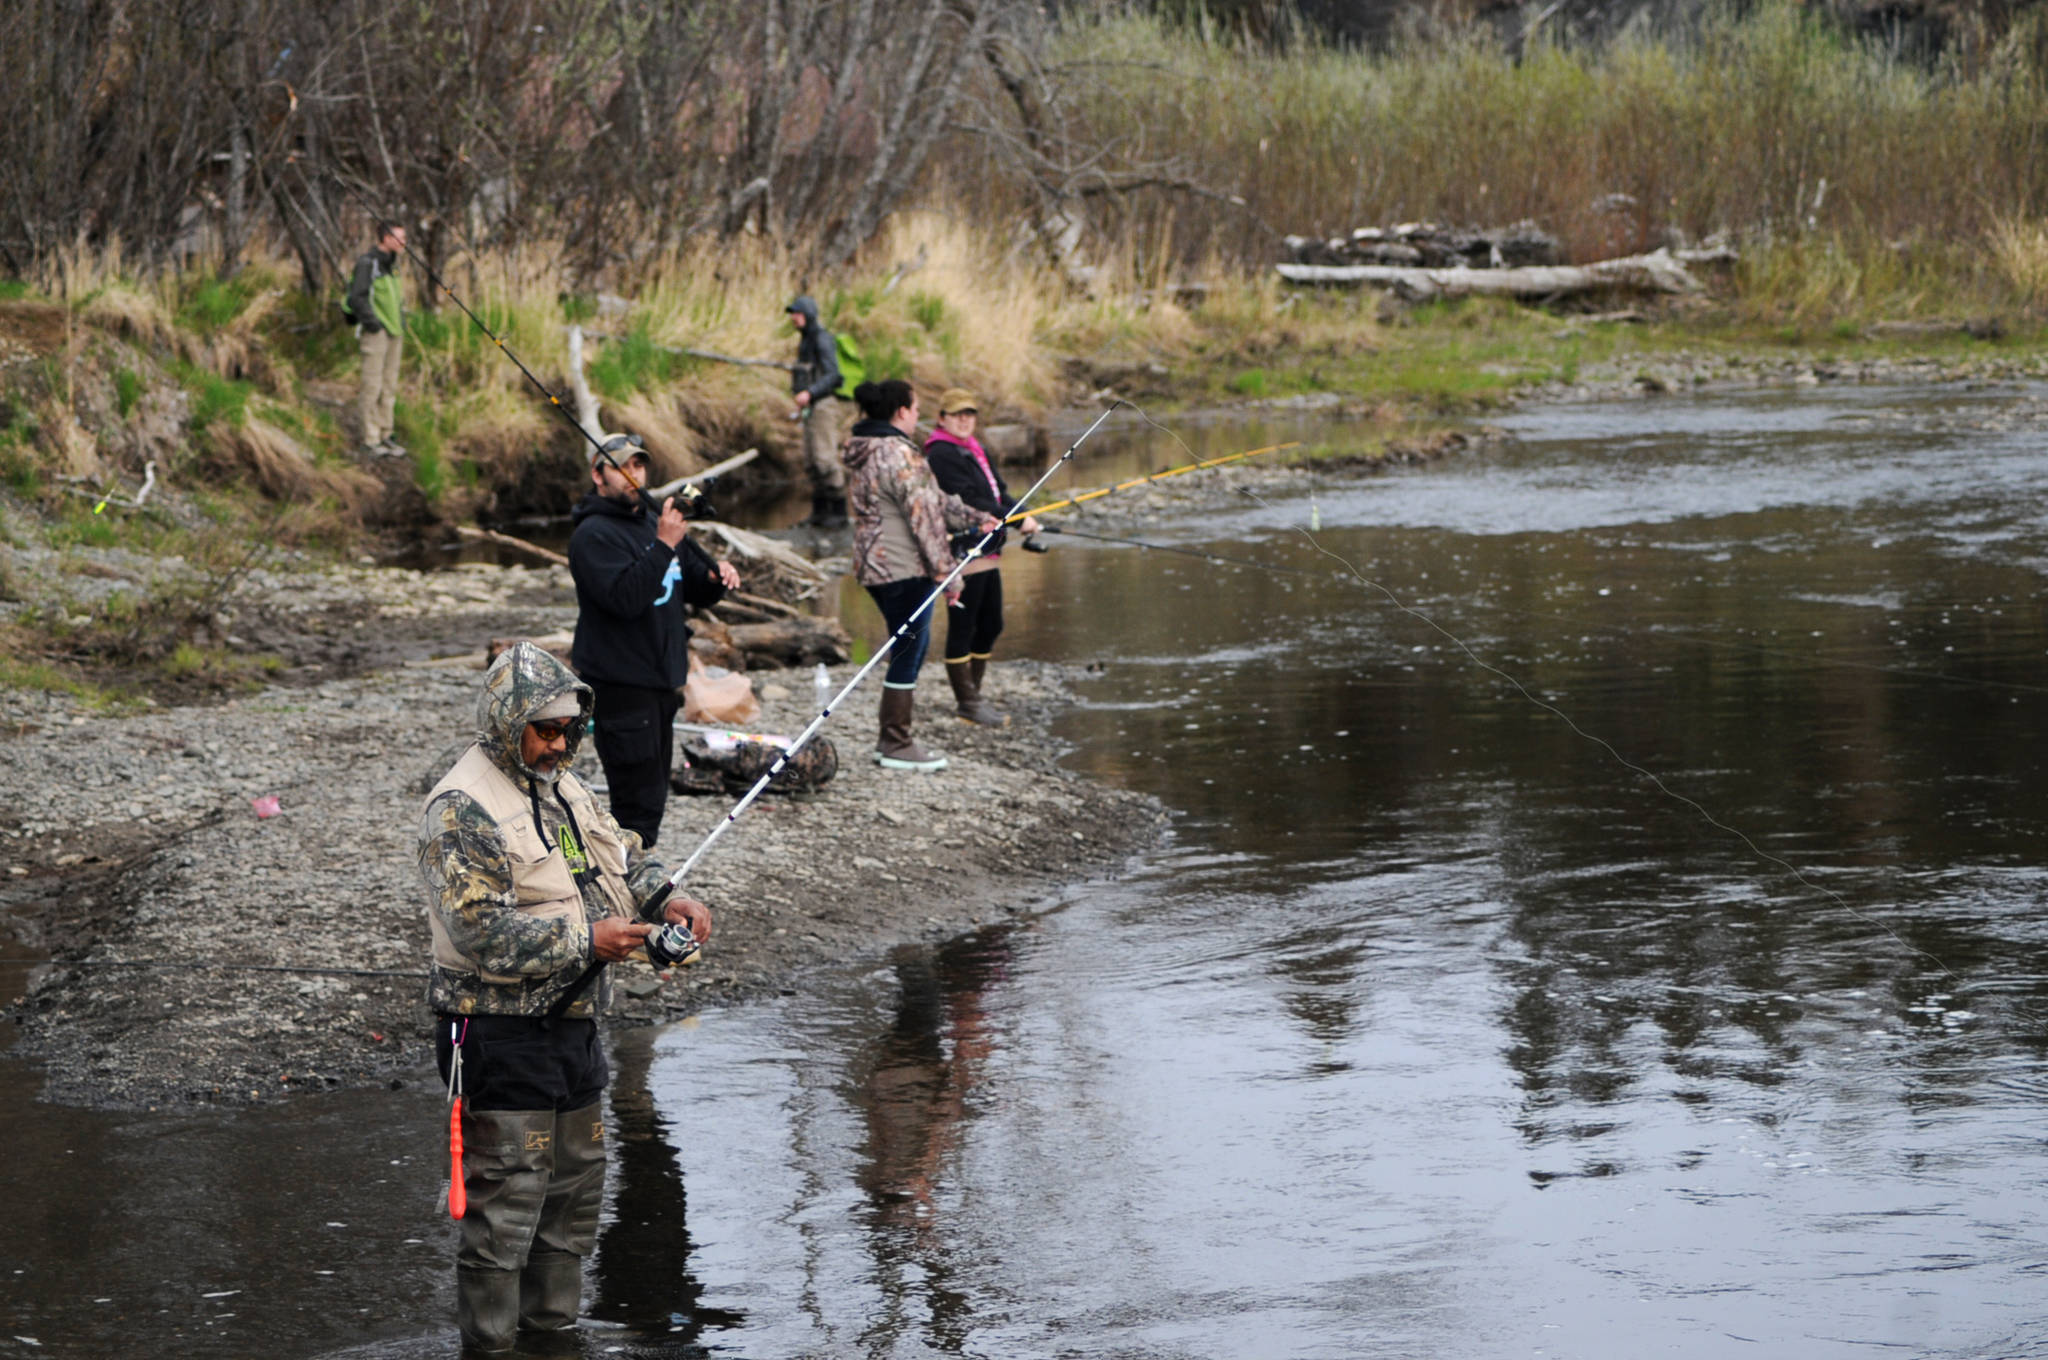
<point>764,626</point>
<point>1431,245</point>
<point>1423,261</point>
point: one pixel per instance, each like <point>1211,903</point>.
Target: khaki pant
<point>379,390</point>
<point>821,447</point>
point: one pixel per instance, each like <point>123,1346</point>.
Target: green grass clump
<point>127,391</point>
<point>213,303</point>
<point>13,290</point>
<point>634,363</point>
<point>19,467</point>
<point>78,525</point>
<point>215,399</point>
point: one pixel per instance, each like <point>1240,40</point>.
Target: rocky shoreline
<point>138,863</point>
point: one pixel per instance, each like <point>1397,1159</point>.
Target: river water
<point>1629,944</point>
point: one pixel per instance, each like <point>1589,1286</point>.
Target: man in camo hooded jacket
<point>529,881</point>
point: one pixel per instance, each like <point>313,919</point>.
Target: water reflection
<point>641,1277</point>
<point>915,1092</point>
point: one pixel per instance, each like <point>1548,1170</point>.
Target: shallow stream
<point>1674,982</point>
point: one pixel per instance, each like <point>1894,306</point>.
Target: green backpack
<point>853,370</point>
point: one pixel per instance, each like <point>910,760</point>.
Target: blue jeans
<point>896,599</point>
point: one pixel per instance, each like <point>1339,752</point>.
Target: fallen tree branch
<point>749,544</point>
<point>507,540</point>
<point>710,354</point>
<point>737,460</point>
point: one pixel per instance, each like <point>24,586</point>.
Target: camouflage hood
<point>524,680</point>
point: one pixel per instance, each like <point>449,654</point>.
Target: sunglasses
<point>557,729</point>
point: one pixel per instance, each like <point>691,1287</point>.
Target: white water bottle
<point>821,685</point>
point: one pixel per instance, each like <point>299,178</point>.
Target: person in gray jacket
<point>813,382</point>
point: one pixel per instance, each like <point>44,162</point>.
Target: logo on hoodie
<point>668,582</point>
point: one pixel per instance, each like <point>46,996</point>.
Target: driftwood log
<point>771,644</point>
<point>1656,272</point>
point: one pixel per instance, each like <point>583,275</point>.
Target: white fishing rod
<point>674,943</point>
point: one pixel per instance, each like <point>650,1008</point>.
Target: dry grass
<point>277,464</point>
<point>1772,126</point>
<point>134,313</point>
<point>2019,253</point>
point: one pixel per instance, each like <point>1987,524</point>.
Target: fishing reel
<point>673,944</point>
<point>692,503</point>
<point>670,942</point>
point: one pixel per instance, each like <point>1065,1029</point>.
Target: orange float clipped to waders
<point>458,1196</point>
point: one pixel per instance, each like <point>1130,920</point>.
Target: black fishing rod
<point>674,943</point>
<point>693,505</point>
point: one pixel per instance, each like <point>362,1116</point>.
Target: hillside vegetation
<point>1096,208</point>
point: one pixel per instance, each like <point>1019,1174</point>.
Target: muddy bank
<point>138,844</point>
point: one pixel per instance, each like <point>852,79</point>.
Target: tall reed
<point>1772,126</point>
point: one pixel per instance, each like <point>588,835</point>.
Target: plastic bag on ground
<point>714,694</point>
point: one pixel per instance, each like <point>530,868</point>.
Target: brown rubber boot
<point>986,713</point>
<point>964,696</point>
<point>896,750</point>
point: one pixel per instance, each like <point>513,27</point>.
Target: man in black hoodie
<point>812,384</point>
<point>635,575</point>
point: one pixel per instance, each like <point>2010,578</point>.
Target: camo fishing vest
<point>542,880</point>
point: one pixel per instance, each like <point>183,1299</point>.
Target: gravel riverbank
<point>132,841</point>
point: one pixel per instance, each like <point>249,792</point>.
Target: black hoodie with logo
<point>631,593</point>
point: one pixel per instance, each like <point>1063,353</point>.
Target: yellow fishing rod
<point>1102,491</point>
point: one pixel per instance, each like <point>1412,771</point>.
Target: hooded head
<point>806,308</point>
<point>521,684</point>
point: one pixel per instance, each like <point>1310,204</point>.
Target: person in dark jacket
<point>635,575</point>
<point>813,382</point>
<point>973,621</point>
<point>376,304</point>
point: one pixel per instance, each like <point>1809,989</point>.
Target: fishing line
<point>203,964</point>
<point>1552,709</point>
<point>1186,552</point>
<point>651,909</point>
